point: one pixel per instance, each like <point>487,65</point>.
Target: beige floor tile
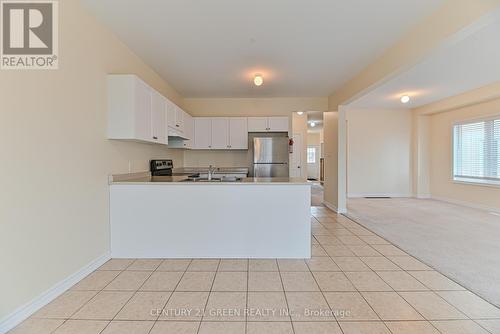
<point>374,240</point>
<point>338,251</point>
<point>196,281</point>
<point>145,264</point>
<point>230,281</point>
<point>308,306</point>
<point>390,306</point>
<point>262,265</point>
<point>204,265</point>
<point>314,241</point>
<point>97,280</point>
<point>411,327</point>
<point>470,304</point>
<point>379,263</point>
<point>363,250</point>
<point>459,327</point>
<point>351,240</point>
<point>269,328</point>
<point>143,306</point>
<point>233,265</point>
<point>81,327</point>
<point>359,231</point>
<point>328,240</point>
<point>435,281</point>
<point>408,263</point>
<point>316,328</point>
<point>492,325</point>
<point>184,306</point>
<point>37,326</point>
<point>401,281</point>
<point>267,306</point>
<point>317,250</point>
<point>65,305</point>
<point>292,265</point>
<point>128,281</point>
<point>322,264</point>
<point>208,327</point>
<point>174,265</point>
<point>162,281</point>
<point>350,306</point>
<point>367,281</point>
<point>116,264</point>
<point>299,281</point>
<point>326,219</point>
<point>333,281</point>
<point>264,281</point>
<point>226,306</point>
<point>364,328</point>
<point>341,232</point>
<point>350,263</point>
<point>175,327</point>
<point>389,250</point>
<point>431,306</point>
<point>128,327</point>
<point>104,306</point>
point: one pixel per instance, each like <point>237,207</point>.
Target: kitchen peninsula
<point>172,217</point>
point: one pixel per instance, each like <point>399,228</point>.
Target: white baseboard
<point>361,195</point>
<point>26,310</point>
<point>423,196</point>
<point>467,204</point>
<point>330,206</point>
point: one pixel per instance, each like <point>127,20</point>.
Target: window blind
<point>476,147</point>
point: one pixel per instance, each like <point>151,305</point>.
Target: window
<point>311,155</point>
<point>476,151</point>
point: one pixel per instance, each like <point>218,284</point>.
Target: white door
<point>257,124</point>
<point>220,133</point>
<point>313,155</point>
<point>158,118</point>
<point>202,133</point>
<point>143,112</point>
<point>296,159</point>
<point>278,124</point>
<point>238,133</point>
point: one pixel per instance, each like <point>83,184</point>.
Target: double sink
<point>213,179</point>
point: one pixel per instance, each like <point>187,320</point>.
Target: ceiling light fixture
<point>313,124</point>
<point>258,80</point>
<point>405,99</point>
<point>300,113</point>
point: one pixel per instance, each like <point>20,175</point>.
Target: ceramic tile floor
<point>355,283</point>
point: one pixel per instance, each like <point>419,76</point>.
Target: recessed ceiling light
<point>405,99</point>
<point>300,112</point>
<point>313,124</point>
<point>258,80</point>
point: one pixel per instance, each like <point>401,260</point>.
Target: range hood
<point>176,135</point>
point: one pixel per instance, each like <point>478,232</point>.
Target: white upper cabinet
<point>135,110</point>
<point>220,133</point>
<point>188,130</point>
<point>171,111</point>
<point>202,133</point>
<point>238,133</point>
<point>268,124</point>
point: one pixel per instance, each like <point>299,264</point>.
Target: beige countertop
<point>146,178</point>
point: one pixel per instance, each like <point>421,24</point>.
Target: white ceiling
<point>471,60</point>
<point>303,48</point>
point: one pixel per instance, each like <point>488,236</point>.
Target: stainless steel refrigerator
<point>270,157</point>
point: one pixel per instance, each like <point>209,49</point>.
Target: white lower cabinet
<point>221,133</point>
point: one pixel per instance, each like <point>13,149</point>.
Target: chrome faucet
<point>211,171</point>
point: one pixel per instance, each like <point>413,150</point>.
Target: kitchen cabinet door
<point>257,124</point>
<point>278,124</point>
<point>171,111</point>
<point>158,118</point>
<point>220,133</point>
<point>179,119</point>
<point>238,133</point>
<point>202,133</point>
<point>188,131</point>
<point>142,111</point>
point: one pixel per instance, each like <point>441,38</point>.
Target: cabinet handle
<point>154,137</point>
<point>177,125</point>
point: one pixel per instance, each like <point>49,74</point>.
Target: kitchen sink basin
<point>214,179</point>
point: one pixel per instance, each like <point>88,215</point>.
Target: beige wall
<point>441,183</point>
<point>331,145</point>
<point>450,18</point>
<point>56,158</point>
<point>313,138</point>
<point>378,152</point>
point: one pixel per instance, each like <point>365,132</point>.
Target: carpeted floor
<point>460,242</point>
